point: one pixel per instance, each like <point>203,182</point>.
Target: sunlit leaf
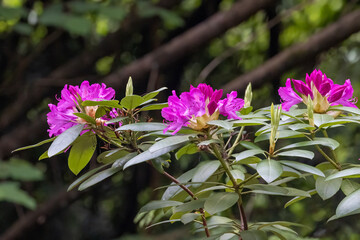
<point>219,202</point>
<point>269,170</point>
<point>65,139</point>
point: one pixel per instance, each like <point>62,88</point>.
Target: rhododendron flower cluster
<point>199,106</point>
<point>323,92</point>
<point>61,116</point>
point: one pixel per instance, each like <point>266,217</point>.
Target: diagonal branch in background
<point>38,217</point>
<point>188,42</point>
<point>299,53</point>
<point>77,66</point>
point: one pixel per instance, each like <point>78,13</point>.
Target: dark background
<point>47,44</point>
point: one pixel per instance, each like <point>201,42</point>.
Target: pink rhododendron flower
<point>321,89</point>
<point>199,106</point>
<point>61,116</point>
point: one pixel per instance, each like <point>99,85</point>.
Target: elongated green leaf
<point>120,162</point>
<point>11,192</point>
<point>132,101</point>
<point>299,126</point>
<point>205,171</point>
<point>153,94</point>
<point>247,153</point>
<point>349,205</point>
<point>347,173</point>
<point>85,176</point>
<point>252,122</point>
<point>190,206</point>
<point>348,186</point>
<point>253,235</point>
<point>115,120</point>
<point>170,141</point>
<point>189,217</point>
<point>222,123</point>
<point>86,117</point>
<point>139,127</point>
<point>280,135</point>
<point>173,190</point>
<point>327,189</point>
<point>212,189</point>
<point>237,174</point>
<point>98,177</point>
<point>297,153</point>
<point>269,170</point>
<point>249,145</point>
<point>327,142</point>
<point>190,148</point>
<point>208,142</point>
<point>111,155</point>
<point>346,109</point>
<point>157,204</point>
<point>65,139</point>
<point>220,202</point>
<point>303,167</point>
<point>320,119</point>
<point>268,189</point>
<point>338,122</point>
<point>147,155</point>
<point>107,103</point>
<point>19,169</point>
<point>34,145</point>
<point>81,152</point>
<point>299,198</point>
<point>156,106</point>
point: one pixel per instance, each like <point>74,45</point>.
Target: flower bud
<point>248,96</point>
<point>129,88</point>
<point>310,111</point>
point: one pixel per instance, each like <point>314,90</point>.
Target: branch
<point>299,53</point>
<point>38,217</point>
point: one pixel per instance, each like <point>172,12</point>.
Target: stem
<point>249,179</point>
<point>225,165</point>
<point>192,195</point>
<point>236,140</point>
<point>332,151</point>
<point>328,158</point>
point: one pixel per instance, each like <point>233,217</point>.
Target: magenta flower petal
<point>230,105</point>
<point>301,87</point>
<point>288,96</point>
<point>61,116</point>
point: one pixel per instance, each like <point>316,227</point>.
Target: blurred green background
<point>46,44</point>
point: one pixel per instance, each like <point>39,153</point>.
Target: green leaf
<point>107,103</point>
<point>338,122</point>
<point>131,102</point>
<point>237,174</point>
<point>268,189</point>
<point>205,171</point>
<point>281,134</point>
<point>252,122</point>
<point>269,170</point>
<point>115,120</point>
<point>303,167</point>
<point>348,186</point>
<point>156,106</point>
<point>173,190</point>
<point>85,176</point>
<point>65,139</point>
<point>19,169</point>
<point>190,206</point>
<point>249,145</point>
<point>346,109</point>
<point>299,198</point>
<point>86,117</point>
<point>11,192</point>
<point>129,88</point>
<point>189,217</point>
<point>297,153</point>
<point>349,205</point>
<point>120,162</point>
<point>190,148</point>
<point>114,12</point>
<point>208,142</point>
<point>327,189</point>
<point>219,202</point>
<point>147,155</point>
<point>98,177</point>
<point>8,13</point>
<point>327,142</point>
<point>157,204</point>
<point>247,154</point>
<point>249,160</point>
<point>347,173</point>
<point>170,141</point>
<point>153,94</point>
<point>34,145</point>
<point>111,155</point>
<point>221,187</point>
<point>320,119</point>
<point>299,126</point>
<point>253,235</point>
<point>81,152</point>
<point>44,155</point>
<point>222,123</point>
<point>148,126</point>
